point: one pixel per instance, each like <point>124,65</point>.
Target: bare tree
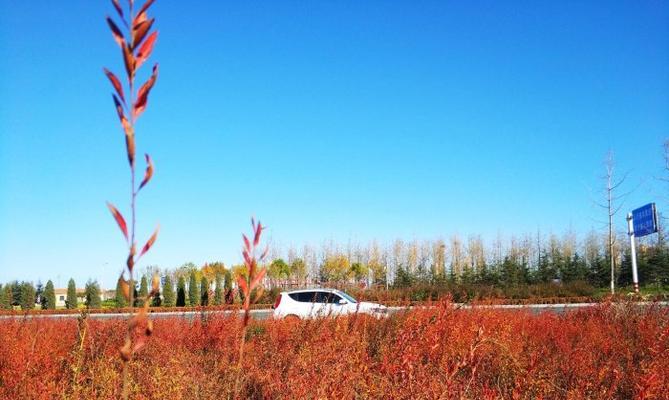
<point>612,204</point>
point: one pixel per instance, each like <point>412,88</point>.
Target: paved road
<point>265,314</point>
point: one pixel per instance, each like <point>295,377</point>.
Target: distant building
<point>108,294</point>
<point>61,296</point>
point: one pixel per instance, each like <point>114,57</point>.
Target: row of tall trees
<point>502,262</point>
<point>518,260</point>
<point>194,287</point>
<point>26,296</point>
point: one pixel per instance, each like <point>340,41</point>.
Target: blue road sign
<point>644,220</point>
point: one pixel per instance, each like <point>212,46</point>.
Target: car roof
<point>329,290</point>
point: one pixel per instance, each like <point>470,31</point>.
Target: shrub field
<point>611,351</point>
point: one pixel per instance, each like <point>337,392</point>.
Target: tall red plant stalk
<point>247,284</point>
<point>136,48</point>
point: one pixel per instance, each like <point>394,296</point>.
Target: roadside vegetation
<point>615,350</point>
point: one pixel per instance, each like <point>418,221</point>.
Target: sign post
<point>640,222</point>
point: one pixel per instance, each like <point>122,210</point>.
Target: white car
<point>310,303</point>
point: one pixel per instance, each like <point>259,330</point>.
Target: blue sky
<point>326,119</point>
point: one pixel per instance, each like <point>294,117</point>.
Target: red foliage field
<point>611,351</point>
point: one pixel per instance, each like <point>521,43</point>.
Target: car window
<point>348,297</point>
<point>321,297</point>
<point>303,297</point>
<point>333,298</point>
<point>315,297</point>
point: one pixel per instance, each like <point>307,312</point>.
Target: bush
<point>610,351</point>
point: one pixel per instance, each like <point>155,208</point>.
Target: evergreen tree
<point>4,301</point>
<point>49,297</point>
<point>546,270</point>
<point>575,269</point>
<point>193,290</point>
<point>227,287</point>
<point>136,301</point>
<point>71,299</point>
<point>598,272</point>
<point>39,292</point>
<point>15,298</point>
<point>218,290</point>
<point>156,300</point>
<point>168,292</point>
<point>181,292</point>
<point>27,296</point>
<point>513,272</point>
<point>92,295</point>
<point>403,278</point>
<point>143,289</point>
<point>7,302</point>
<point>120,299</point>
<point>204,291</point>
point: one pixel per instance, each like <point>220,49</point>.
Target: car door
<point>312,303</point>
<point>334,306</point>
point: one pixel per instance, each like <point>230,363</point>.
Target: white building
<point>61,295</point>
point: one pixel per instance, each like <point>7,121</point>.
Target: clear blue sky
<point>326,119</point>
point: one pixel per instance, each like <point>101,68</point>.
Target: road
<point>265,314</point>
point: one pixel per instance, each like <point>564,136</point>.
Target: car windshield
<point>346,296</point>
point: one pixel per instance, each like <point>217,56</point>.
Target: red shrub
<point>611,351</point>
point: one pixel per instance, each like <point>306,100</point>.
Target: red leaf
<point>139,32</point>
<point>129,131</point>
<point>243,285</point>
<point>149,171</point>
<point>118,8</point>
<point>119,109</point>
<point>115,83</point>
<point>259,229</point>
<point>130,262</point>
<point>252,268</point>
<point>118,35</point>
<point>125,287</point>
<point>247,258</point>
<point>258,278</point>
<point>247,244</point>
<point>264,253</point>
<point>129,61</point>
<point>259,294</point>
<point>143,93</point>
<point>146,6</point>
<point>150,242</point>
<point>145,49</point>
<point>119,219</point>
<point>141,14</point>
<point>130,143</point>
<point>155,283</point>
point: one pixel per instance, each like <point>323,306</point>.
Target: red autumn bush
<point>610,351</point>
